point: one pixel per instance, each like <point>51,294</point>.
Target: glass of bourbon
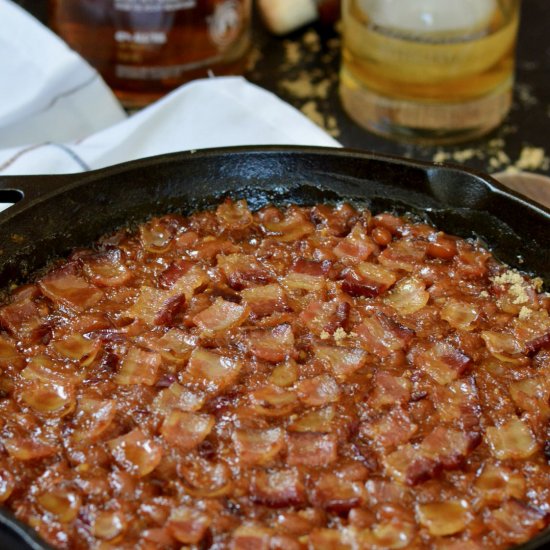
<point>430,71</point>
<point>146,48</point>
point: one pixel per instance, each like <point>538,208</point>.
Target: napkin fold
<point>58,116</point>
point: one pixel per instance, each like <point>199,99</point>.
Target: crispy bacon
<point>265,300</point>
<point>357,246</point>
<point>243,271</point>
<point>69,290</point>
<point>318,420</point>
<point>28,446</point>
<point>445,518</point>
<point>9,355</point>
<point>176,396</point>
<point>404,255</point>
<point>76,347</point>
<point>368,279</point>
<point>443,362</point>
<point>139,367</point>
<point>337,220</point>
<point>93,418</point>
<point>278,488</point>
<point>341,361</point>
<point>272,401</point>
<point>157,235</point>
<point>382,335</point>
<point>499,483</point>
<point>234,216</point>
<point>211,372</point>
<point>156,307</point>
<point>249,537</point>
<point>258,446</point>
<point>337,495</point>
<point>175,271</point>
<point>458,403</point>
<point>107,268</point>
<point>186,430</point>
<point>222,315</point>
<point>292,226</point>
<point>503,346</point>
<point>311,449</point>
<point>390,430</point>
<point>516,521</point>
<point>389,390</point>
<point>49,398</point>
<point>188,525</point>
<point>320,390</point>
<point>460,315</point>
<point>23,319</point>
<point>272,345</point>
<point>138,454</point>
<point>303,282</point>
<point>315,268</point>
<point>322,317</point>
<point>408,296</point>
<point>513,440</point>
<point>442,449</point>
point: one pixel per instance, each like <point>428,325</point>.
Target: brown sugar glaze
<point>307,377</point>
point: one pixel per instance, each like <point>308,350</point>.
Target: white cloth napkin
<point>58,116</point>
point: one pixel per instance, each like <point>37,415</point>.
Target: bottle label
<point>224,25</point>
<point>150,6</point>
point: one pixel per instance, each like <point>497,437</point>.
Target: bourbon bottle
<point>146,48</point>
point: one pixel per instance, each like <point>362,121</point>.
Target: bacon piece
<point>157,235</point>
<point>265,300</point>
<point>278,488</point>
<point>139,367</point>
<point>249,537</point>
<point>315,268</point>
<point>389,390</point>
<point>357,246</point>
<point>403,254</point>
<point>311,449</point>
<point>471,262</point>
<point>211,372</point>
<point>188,525</point>
<point>106,268</point>
<point>535,345</point>
<point>444,518</point>
<point>69,290</point>
<point>234,215</point>
<point>23,319</point>
<point>186,430</point>
<point>382,335</point>
<point>443,362</point>
<point>175,271</point>
<point>211,247</point>
<point>368,279</point>
<point>442,449</point>
<point>272,401</point>
<point>320,390</point>
<point>27,446</point>
<point>303,282</point>
<point>337,219</point>
<point>136,453</point>
<point>336,539</point>
<point>156,307</point>
<point>293,225</point>
<point>49,398</point>
<point>178,397</point>
<point>513,440</point>
<point>174,345</point>
<point>9,355</point>
<point>318,420</point>
<point>322,317</point>
<point>76,347</point>
<point>64,505</point>
<point>408,296</point>
<point>532,395</point>
<point>460,315</point>
<point>243,271</point>
<point>516,521</point>
<point>221,316</point>
<point>390,430</point>
<point>499,483</point>
<point>458,403</point>
<point>503,346</point>
<point>337,495</point>
<point>93,418</point>
<point>258,446</point>
<point>109,524</point>
<point>206,479</point>
<point>341,361</point>
<point>272,345</point>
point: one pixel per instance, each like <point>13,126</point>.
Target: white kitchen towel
<point>57,115</point>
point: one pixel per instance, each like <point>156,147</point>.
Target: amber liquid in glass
<point>146,48</point>
<point>440,86</point>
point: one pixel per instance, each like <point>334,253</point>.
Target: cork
<point>284,16</point>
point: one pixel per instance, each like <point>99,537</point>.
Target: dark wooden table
<point>302,69</point>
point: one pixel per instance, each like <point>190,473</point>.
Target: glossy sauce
<point>300,378</point>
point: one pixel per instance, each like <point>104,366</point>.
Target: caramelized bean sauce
<point>285,379</point>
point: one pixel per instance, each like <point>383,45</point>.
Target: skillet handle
<point>24,189</point>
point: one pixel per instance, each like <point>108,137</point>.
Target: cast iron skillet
<point>57,213</point>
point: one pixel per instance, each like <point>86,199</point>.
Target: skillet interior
<point>59,213</point>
